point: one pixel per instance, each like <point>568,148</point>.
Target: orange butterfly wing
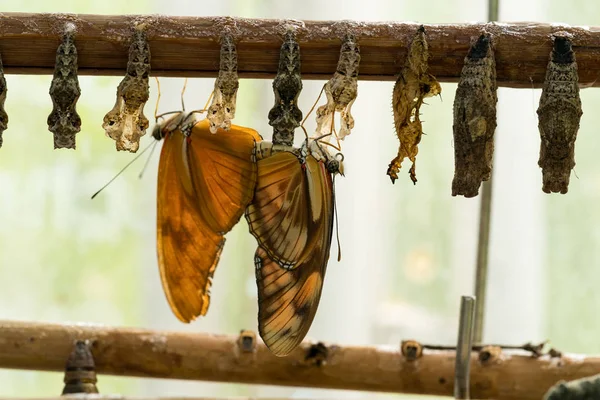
<point>276,215</point>
<point>189,243</point>
<point>288,298</point>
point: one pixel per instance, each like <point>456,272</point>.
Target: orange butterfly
<point>205,181</point>
<point>291,217</point>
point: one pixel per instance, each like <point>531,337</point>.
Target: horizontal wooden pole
<point>222,358</point>
<point>81,396</point>
<point>188,46</point>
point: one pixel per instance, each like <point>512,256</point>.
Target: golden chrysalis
<point>412,86</point>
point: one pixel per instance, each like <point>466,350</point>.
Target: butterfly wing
<point>223,170</point>
<point>277,215</point>
<point>188,251</point>
<point>205,182</point>
<point>288,298</point>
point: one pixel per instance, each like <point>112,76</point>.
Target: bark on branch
<point>222,358</point>
<point>189,46</point>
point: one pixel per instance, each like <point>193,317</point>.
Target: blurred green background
<point>408,251</point>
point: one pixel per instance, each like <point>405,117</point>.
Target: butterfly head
<point>157,131</point>
<point>335,164</point>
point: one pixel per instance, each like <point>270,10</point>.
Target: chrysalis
<point>341,91</point>
<point>63,121</point>
<point>222,110</point>
<point>80,371</point>
<point>475,119</point>
<point>3,114</point>
<point>285,116</point>
<point>559,113</point>
<point>579,389</point>
<point>126,122</point>
<point>412,86</point>
<point>247,341</point>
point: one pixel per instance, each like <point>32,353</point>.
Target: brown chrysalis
<point>578,389</point>
<point>80,371</point>
<point>285,116</point>
<point>412,86</point>
<point>341,91</point>
<point>222,110</point>
<point>475,119</point>
<point>63,121</point>
<point>3,114</point>
<point>126,122</point>
<point>559,113</point>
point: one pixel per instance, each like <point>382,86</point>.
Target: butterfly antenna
<point>337,229</point>
<point>305,133</point>
<point>122,170</point>
<point>318,138</point>
<point>331,145</point>
<point>318,141</point>
<point>148,159</point>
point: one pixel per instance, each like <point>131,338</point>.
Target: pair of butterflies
<point>206,182</point>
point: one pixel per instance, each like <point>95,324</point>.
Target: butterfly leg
<point>310,111</point>
<point>157,99</point>
<point>156,115</point>
<point>201,111</point>
<point>182,93</point>
<point>314,105</point>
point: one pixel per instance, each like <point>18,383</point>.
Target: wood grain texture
<point>178,355</point>
<point>189,46</point>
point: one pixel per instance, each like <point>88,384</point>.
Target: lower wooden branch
<point>223,358</point>
<point>80,396</point>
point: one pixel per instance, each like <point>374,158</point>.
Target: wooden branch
<point>177,355</point>
<point>188,46</point>
<point>114,397</point>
